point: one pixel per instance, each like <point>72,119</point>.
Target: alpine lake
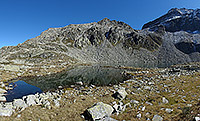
<point>72,76</point>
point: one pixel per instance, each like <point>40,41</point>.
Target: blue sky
<point>24,19</point>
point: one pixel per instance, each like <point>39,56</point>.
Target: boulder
<point>157,118</point>
<point>98,111</point>
<point>6,110</point>
<point>19,104</point>
<point>197,118</point>
<point>2,99</point>
<point>30,100</point>
<point>2,90</point>
<point>120,94</point>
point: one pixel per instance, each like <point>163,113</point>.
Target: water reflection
<point>96,75</point>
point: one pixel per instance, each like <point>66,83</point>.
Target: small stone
<point>197,118</point>
<point>151,83</point>
<point>2,90</point>
<point>19,115</point>
<point>168,110</point>
<point>189,105</point>
<point>157,118</point>
<point>148,119</point>
<point>3,85</point>
<point>60,87</point>
<point>147,87</point>
<point>139,115</point>
<point>134,101</point>
<point>72,86</point>
<point>120,94</point>
<point>116,107</point>
<point>149,103</point>
<point>164,100</point>
<point>47,104</point>
<point>143,108</point>
<point>147,114</point>
<point>2,99</point>
<point>57,104</point>
<point>79,83</point>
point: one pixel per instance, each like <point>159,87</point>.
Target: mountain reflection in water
<point>96,75</point>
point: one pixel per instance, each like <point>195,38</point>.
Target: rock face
<point>178,20</point>
<point>184,27</point>
<point>111,43</point>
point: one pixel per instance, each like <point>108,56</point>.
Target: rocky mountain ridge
<point>106,42</point>
<point>178,20</point>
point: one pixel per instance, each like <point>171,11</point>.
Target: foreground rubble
<point>148,94</point>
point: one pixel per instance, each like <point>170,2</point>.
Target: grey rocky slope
<point>106,42</point>
<point>185,26</point>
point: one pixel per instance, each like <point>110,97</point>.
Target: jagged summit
<point>178,20</point>
<point>105,20</point>
<point>181,11</point>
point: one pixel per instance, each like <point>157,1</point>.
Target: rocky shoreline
<point>149,94</point>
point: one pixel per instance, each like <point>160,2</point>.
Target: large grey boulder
<point>19,104</point>
<point>98,111</point>
<point>6,110</point>
<point>30,100</point>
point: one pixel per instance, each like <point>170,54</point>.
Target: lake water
<point>96,75</point>
<point>21,89</point>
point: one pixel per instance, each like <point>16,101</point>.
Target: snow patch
<point>196,32</point>
<point>175,17</point>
